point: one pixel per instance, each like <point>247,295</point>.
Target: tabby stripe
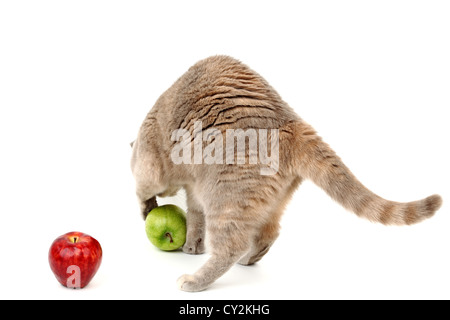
<point>410,214</point>
<point>386,213</point>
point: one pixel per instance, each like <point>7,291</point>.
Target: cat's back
<point>224,93</point>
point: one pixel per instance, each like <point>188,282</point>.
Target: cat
<point>232,203</point>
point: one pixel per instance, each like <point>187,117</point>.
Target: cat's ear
<point>131,144</point>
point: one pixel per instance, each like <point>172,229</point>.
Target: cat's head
<point>146,167</point>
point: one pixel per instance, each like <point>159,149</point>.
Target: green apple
<point>166,227</point>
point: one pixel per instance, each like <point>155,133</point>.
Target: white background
<point>77,79</point>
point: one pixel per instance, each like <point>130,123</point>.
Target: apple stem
<point>170,236</point>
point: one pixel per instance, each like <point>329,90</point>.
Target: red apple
<point>75,258</point>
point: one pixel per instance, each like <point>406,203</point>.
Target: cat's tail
<point>318,162</point>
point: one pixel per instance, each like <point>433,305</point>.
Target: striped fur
<point>235,207</point>
<point>318,162</point>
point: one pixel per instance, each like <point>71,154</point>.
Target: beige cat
<point>229,195</point>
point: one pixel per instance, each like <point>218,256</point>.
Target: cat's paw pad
<point>196,246</point>
<point>189,283</point>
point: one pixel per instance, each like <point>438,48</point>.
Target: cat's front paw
<point>194,246</point>
<point>147,206</point>
<point>189,283</point>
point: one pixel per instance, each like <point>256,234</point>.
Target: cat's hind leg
<point>229,239</point>
<point>261,243</point>
<point>269,232</point>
